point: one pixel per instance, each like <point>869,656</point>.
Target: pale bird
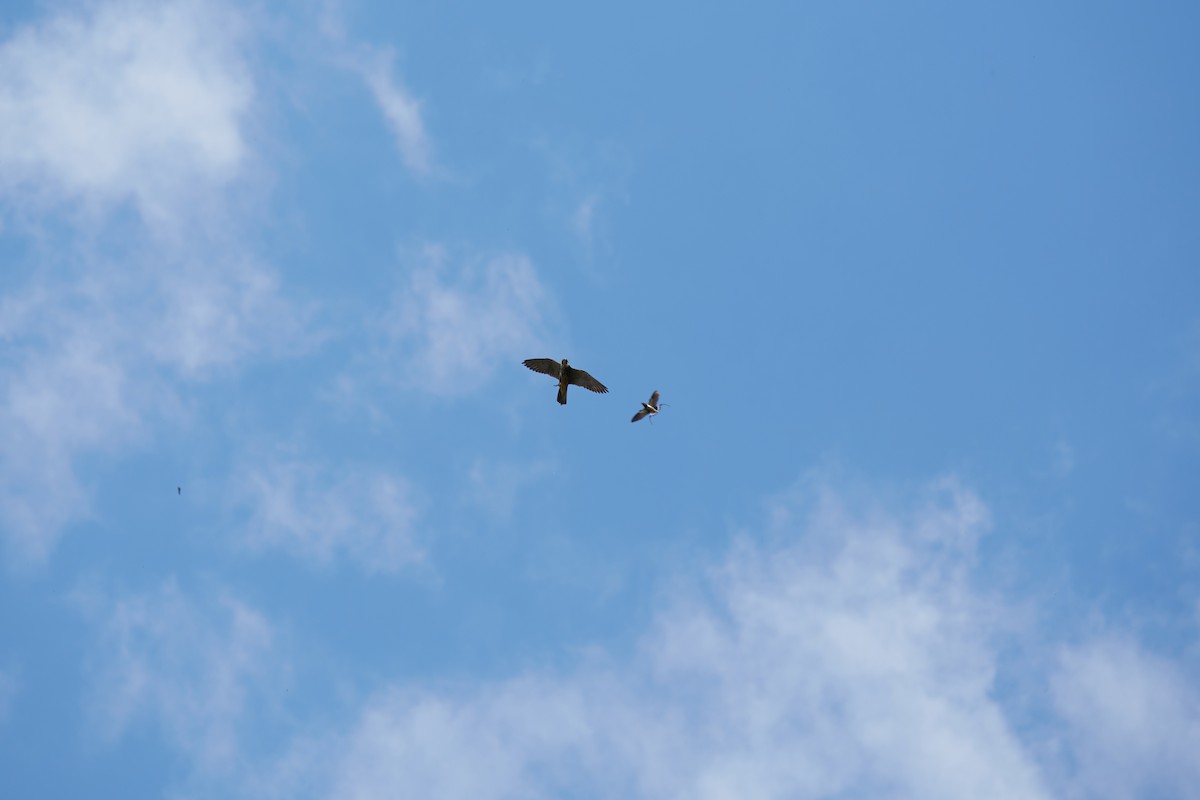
<point>648,409</point>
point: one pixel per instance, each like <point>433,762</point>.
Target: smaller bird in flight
<point>649,409</point>
<point>178,490</point>
<point>566,375</point>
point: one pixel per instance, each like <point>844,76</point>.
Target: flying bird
<point>566,375</point>
<point>178,490</point>
<point>648,409</point>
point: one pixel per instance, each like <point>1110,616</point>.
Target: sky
<point>282,515</point>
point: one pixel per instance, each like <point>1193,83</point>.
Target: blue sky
<point>918,281</point>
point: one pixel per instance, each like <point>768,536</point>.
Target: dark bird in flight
<point>566,375</point>
<point>648,409</point>
<point>179,490</point>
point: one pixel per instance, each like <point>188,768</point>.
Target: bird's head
<point>565,362</point>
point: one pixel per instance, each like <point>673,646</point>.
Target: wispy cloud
<point>321,513</point>
<point>195,668</point>
<point>1133,720</point>
<point>124,101</point>
<point>844,650</point>
<point>853,660</point>
<point>401,110</point>
<point>584,186</point>
<point>109,107</point>
<point>449,328</point>
<point>93,362</point>
<point>496,485</point>
<point>213,315</point>
<point>67,389</point>
<point>583,221</point>
<point>1063,460</point>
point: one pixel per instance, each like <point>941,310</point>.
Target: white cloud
<point>583,186</point>
<point>446,333</point>
<point>197,668</point>
<point>124,101</point>
<point>320,513</point>
<point>1133,720</point>
<point>105,106</point>
<point>92,363</point>
<point>495,485</point>
<point>852,661</point>
<point>65,388</point>
<point>852,656</point>
<point>399,108</point>
<point>1064,460</point>
<point>584,219</point>
<point>212,316</point>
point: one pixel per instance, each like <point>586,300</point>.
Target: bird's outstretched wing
<point>639,415</point>
<point>654,399</point>
<point>581,378</point>
<point>546,366</point>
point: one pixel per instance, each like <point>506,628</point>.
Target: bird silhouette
<point>648,409</point>
<point>566,375</point>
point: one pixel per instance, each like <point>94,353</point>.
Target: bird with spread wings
<point>566,375</point>
<point>648,409</point>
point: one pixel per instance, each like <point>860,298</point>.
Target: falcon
<point>648,409</point>
<point>566,375</point>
